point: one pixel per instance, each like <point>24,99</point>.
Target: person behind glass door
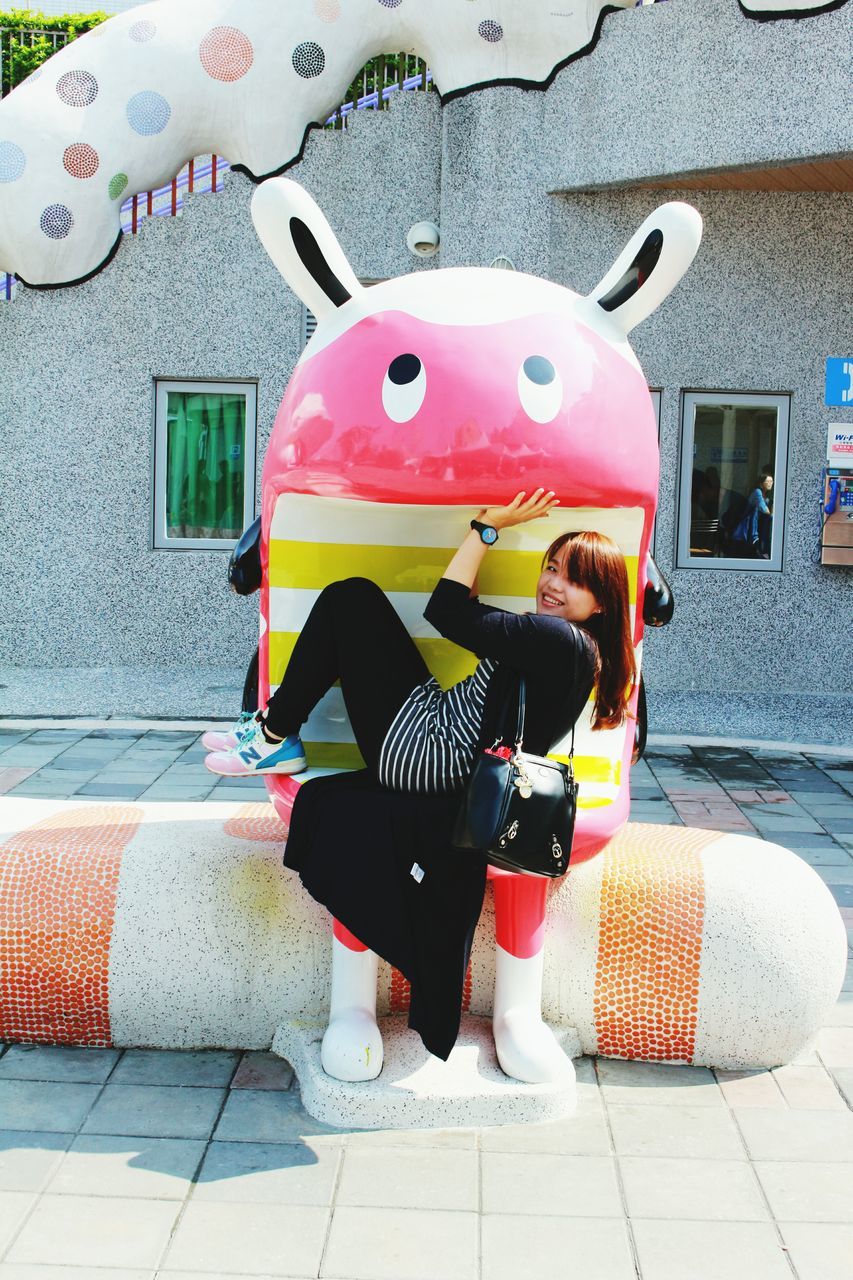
<point>754,531</point>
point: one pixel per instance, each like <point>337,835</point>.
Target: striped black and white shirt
<point>430,744</point>
<point>432,740</point>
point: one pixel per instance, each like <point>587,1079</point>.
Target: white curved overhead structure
<point>122,108</point>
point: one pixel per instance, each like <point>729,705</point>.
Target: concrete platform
<point>417,1091</point>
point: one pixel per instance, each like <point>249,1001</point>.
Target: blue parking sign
<point>839,380</point>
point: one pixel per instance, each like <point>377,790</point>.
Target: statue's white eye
<point>539,389</point>
<point>404,388</point>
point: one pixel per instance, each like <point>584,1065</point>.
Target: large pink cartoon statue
<point>511,382</point>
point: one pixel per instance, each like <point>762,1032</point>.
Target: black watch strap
<point>488,533</point>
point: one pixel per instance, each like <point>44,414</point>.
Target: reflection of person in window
<point>755,526</point>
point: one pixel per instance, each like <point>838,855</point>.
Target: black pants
<point>352,634</point>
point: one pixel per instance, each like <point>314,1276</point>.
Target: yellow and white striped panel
<point>405,549</point>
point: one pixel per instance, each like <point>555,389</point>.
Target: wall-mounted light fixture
<point>423,239</point>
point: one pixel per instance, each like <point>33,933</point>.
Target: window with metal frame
<point>734,461</point>
<point>204,463</point>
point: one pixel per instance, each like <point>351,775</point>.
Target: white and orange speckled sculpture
<point>173,925</point>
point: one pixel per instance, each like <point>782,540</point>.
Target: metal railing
<point>25,37</point>
<point>206,173</point>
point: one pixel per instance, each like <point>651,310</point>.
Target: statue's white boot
<point>526,1047</point>
<point>352,1045</point>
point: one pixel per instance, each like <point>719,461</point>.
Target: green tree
<point>26,40</point>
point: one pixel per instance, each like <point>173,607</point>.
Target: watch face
<point>489,535</point>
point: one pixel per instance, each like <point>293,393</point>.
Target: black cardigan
<point>355,844</point>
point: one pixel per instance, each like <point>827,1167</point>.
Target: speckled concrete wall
<point>196,297</point>
<point>765,302</point>
<point>189,297</point>
<point>692,85</point>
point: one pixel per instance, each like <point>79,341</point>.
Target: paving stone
<point>258,1070</point>
<point>114,735</point>
<point>95,1231</point>
<point>808,1191</point>
<point>797,1135</point>
<point>16,1271</point>
<point>416,1245</point>
<point>582,1134</point>
<point>582,1186</point>
<point>709,1250</point>
<point>272,1172</point>
<point>657,1083</point>
<point>819,1252</point>
<point>801,841</point>
<point>112,790</point>
<point>38,1105</point>
<point>24,754</point>
<point>139,1110</point>
<point>139,1168</point>
<point>809,1088</point>
<point>266,1115</point>
<point>522,1248</point>
<point>781,824</point>
<point>57,1062</point>
<point>826,855</point>
<point>704,1190</point>
<point>14,1207</point>
<point>457,1138</point>
<point>27,1159</point>
<point>428,1178</point>
<point>843,1077</point>
<point>282,1240</point>
<point>835,1046</point>
<point>176,1066</point>
<point>675,1131</point>
<point>176,794</point>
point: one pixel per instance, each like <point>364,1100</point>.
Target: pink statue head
<point>424,397</point>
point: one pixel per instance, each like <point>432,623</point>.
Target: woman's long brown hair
<point>594,561</point>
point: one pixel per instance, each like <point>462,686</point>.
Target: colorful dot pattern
<point>13,162</point>
<point>118,182</point>
<point>77,88</point>
<point>327,10</point>
<point>491,31</point>
<point>308,59</point>
<point>148,113</point>
<point>256,822</point>
<point>80,160</point>
<point>58,887</point>
<point>400,994</point>
<point>226,53</point>
<point>56,221</point>
<point>142,31</point>
<point>652,912</point>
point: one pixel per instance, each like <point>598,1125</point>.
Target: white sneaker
<point>216,741</point>
<point>255,755</point>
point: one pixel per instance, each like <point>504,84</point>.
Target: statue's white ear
<point>650,265</point>
<point>296,235</point>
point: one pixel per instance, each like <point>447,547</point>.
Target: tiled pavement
<point>117,1165</point>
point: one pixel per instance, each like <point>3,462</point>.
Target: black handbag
<point>519,809</point>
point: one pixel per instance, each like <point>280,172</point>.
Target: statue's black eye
<point>404,388</point>
<point>539,370</point>
<point>540,389</point>
<point>404,370</point>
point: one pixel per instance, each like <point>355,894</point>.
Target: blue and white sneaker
<point>255,755</point>
<point>216,741</point>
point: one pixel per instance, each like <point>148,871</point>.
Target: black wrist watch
<point>488,533</point>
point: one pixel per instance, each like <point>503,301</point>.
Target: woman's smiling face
<point>557,597</point>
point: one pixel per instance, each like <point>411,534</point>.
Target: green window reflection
<point>205,464</point>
